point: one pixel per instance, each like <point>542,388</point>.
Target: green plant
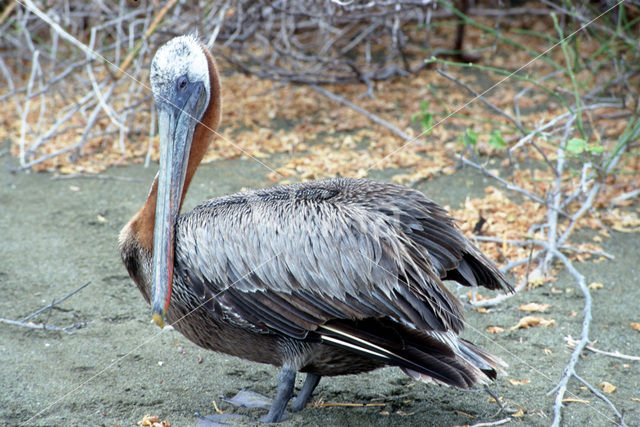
<point>424,117</point>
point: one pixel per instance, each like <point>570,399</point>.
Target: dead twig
<point>572,344</point>
<point>58,29</point>
<point>603,398</point>
<point>322,404</point>
<point>569,371</point>
<point>492,423</point>
<point>150,30</point>
<point>626,196</point>
<point>509,185</point>
<point>484,100</point>
<point>362,111</point>
<point>42,326</point>
<point>542,243</point>
<point>94,176</point>
<point>26,323</point>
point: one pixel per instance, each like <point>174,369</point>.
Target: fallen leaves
<point>635,325</point>
<point>531,321</point>
<point>518,382</point>
<point>495,329</point>
<point>153,421</point>
<point>607,387</point>
<point>534,307</point>
<point>622,220</point>
<point>518,414</point>
<point>595,285</point>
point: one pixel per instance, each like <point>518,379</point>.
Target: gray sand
<point>59,234</point>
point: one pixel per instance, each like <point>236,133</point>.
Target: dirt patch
<point>58,234</point>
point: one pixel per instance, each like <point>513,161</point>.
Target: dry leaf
<point>153,421</point>
<point>536,281</point>
<point>530,321</point>
<point>635,399</point>
<point>548,351</point>
<point>477,298</point>
<point>607,387</point>
<point>519,413</point>
<point>495,329</point>
<point>571,399</point>
<point>635,325</point>
<point>595,285</point>
<point>534,306</point>
<point>518,382</point>
<point>148,420</point>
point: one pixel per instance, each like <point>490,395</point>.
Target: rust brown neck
<point>143,221</point>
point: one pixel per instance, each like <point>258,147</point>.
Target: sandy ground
<point>58,234</point>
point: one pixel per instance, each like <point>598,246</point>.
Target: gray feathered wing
<point>353,263</point>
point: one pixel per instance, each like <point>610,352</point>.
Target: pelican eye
<point>182,82</point>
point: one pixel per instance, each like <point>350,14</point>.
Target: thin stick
<point>58,301</point>
<point>625,196</point>
<point>103,101</point>
<point>346,404</point>
<point>58,29</point>
<point>572,343</point>
<point>25,111</point>
<point>41,326</point>
<point>507,184</point>
<point>94,176</point>
<point>7,11</point>
<point>156,21</point>
<point>541,243</point>
<point>493,423</point>
<point>603,397</point>
<point>484,100</point>
<point>569,370</point>
<point>43,138</point>
<point>362,111</point>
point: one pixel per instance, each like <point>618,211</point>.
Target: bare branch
<point>362,111</point>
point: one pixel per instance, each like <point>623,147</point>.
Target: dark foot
<point>250,399</point>
<point>286,381</point>
<point>310,384</point>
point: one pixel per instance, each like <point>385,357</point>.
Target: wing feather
<point>291,258</point>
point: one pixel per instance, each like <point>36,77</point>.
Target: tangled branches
<point>75,55</point>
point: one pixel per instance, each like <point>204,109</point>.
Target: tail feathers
<point>481,359</point>
<point>424,356</point>
<point>475,269</point>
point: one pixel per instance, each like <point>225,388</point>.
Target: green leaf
<point>576,145</point>
<point>469,138</point>
<point>425,117</point>
<point>595,149</point>
<point>427,121</point>
<point>496,141</point>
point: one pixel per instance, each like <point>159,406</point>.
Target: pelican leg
<point>310,384</point>
<point>286,382</point>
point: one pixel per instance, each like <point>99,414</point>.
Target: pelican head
<point>181,88</point>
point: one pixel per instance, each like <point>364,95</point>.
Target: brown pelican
<point>332,277</point>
